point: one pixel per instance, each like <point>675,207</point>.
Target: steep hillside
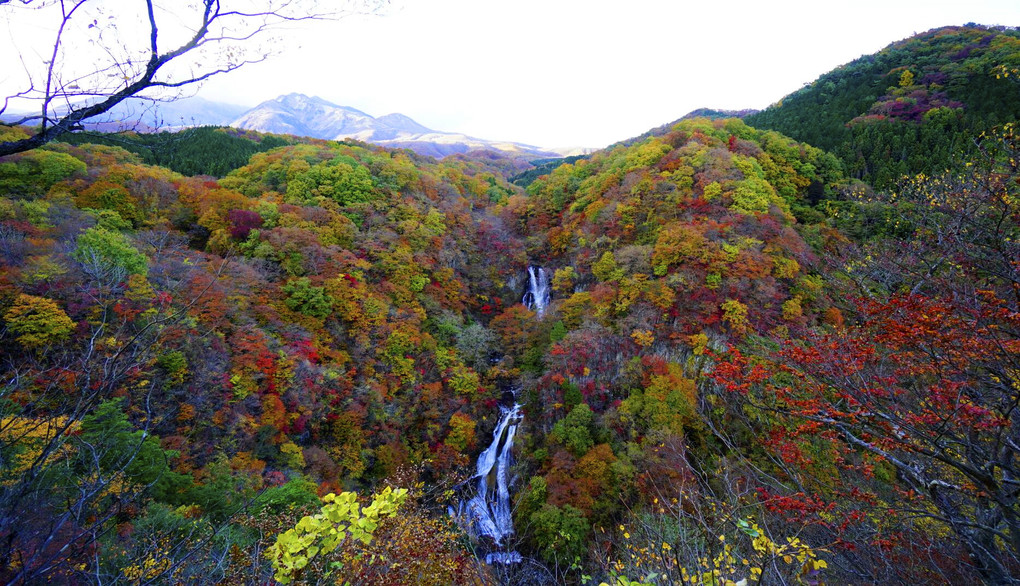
<point>661,236</point>
<point>710,366</point>
<point>308,323</point>
<point>913,107</point>
<point>659,254</point>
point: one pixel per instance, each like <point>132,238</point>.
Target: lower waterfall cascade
<point>487,513</point>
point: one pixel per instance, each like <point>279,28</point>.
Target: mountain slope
<point>317,118</point>
<point>218,353</point>
<point>912,107</point>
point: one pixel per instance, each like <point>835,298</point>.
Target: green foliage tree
<point>560,533</point>
<point>753,195</point>
<point>35,172</point>
<point>108,257</point>
<point>135,456</point>
<point>669,403</point>
<point>307,299</point>
<point>297,493</point>
<point>575,430</point>
<point>606,269</point>
<point>346,183</point>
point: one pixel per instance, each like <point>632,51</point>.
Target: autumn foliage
<point>724,385</point>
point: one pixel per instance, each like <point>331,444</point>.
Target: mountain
<point>301,115</point>
<point>913,107</point>
<point>313,117</point>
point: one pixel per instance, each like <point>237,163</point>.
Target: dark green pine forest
<point>914,107</point>
<point>779,349</point>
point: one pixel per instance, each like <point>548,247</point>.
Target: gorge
<point>487,514</point>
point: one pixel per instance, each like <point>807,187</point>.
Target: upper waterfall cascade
<point>538,294</point>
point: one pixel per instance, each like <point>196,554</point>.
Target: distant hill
<point>545,167</point>
<point>912,107</point>
<point>202,150</point>
<point>315,117</point>
<point>571,156</point>
<point>710,113</point>
<point>713,114</point>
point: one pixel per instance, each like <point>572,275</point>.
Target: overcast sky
<point>557,73</point>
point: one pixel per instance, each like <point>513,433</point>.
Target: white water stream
<point>538,294</point>
<point>487,513</point>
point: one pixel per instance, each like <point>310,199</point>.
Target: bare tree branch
<point>123,66</point>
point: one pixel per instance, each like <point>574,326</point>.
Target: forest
<point>778,349</point>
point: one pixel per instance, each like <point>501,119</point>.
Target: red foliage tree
<point>925,382</point>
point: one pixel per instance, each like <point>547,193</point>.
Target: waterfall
<point>537,296</point>
<point>487,513</point>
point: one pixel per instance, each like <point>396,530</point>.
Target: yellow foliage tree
<point>907,79</point>
<point>38,322</point>
<point>340,519</point>
<point>735,314</point>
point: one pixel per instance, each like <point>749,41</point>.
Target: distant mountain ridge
<point>144,115</point>
<point>301,115</point>
<point>315,117</point>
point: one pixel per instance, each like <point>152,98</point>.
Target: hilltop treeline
<point>914,107</point>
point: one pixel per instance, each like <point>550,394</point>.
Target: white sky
<point>558,73</point>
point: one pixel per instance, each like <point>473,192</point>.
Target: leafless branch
<point>218,41</point>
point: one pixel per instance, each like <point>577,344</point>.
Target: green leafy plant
<point>341,518</point>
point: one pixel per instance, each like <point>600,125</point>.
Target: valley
<point>308,345</point>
